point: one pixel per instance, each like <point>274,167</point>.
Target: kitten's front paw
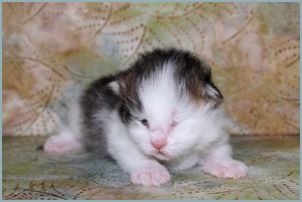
<point>226,168</point>
<point>154,175</point>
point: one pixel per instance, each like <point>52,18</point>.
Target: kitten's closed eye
<point>145,123</point>
<point>174,124</point>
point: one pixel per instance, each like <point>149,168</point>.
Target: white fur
<point>220,164</point>
<point>198,137</point>
<point>64,141</point>
<point>158,95</point>
<point>143,169</point>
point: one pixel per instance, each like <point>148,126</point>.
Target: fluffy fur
<point>163,112</point>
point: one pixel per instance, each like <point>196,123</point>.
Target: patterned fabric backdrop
<point>49,49</point>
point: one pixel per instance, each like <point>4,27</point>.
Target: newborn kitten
<point>163,112</point>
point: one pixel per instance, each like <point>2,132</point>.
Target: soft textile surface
<point>49,49</point>
<point>30,174</point>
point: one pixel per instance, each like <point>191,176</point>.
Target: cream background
<point>50,48</point>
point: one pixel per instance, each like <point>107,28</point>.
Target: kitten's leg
<point>142,169</point>
<point>150,173</point>
<point>220,163</point>
<point>68,138</point>
<point>64,141</point>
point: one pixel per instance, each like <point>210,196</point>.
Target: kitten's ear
<point>114,86</point>
<point>213,92</point>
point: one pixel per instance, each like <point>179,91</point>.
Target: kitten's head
<point>167,96</point>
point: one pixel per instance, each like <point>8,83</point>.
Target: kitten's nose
<point>158,144</point>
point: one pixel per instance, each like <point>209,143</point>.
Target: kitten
<point>163,112</point>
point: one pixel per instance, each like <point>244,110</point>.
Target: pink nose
<point>158,144</point>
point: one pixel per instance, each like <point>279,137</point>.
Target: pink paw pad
<point>151,176</point>
<point>231,169</point>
